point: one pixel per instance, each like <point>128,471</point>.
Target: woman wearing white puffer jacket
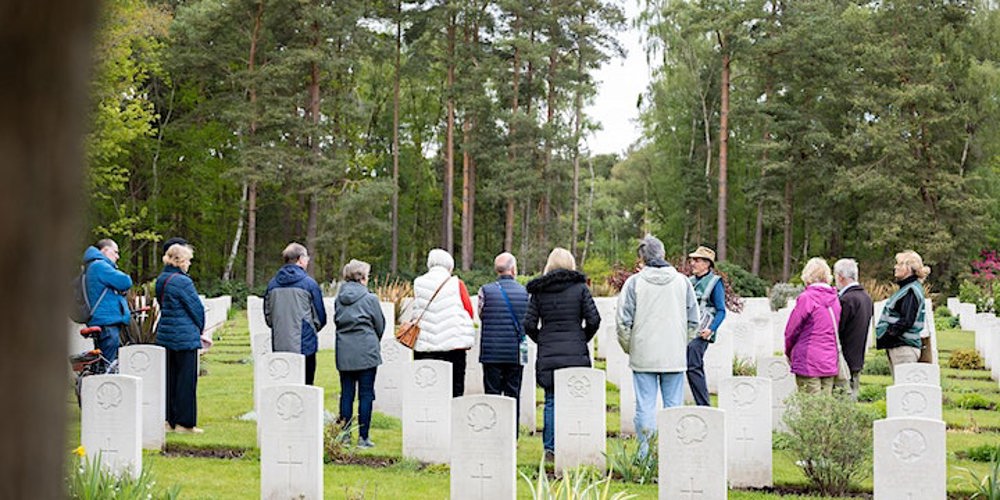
<point>446,331</point>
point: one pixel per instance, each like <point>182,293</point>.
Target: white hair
<point>847,269</point>
<point>504,262</point>
<point>440,258</point>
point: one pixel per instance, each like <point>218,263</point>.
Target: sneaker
<point>180,429</point>
<point>365,443</point>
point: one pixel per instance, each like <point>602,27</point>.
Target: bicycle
<point>92,361</point>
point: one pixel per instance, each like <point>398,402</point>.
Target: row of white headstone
<point>986,327</point>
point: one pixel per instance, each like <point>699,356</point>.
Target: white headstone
<point>580,418</point>
<point>483,448</point>
<point>473,368</point>
<point>276,368</point>
<point>427,411</point>
<point>394,368</point>
<point>917,373</point>
<point>985,328</point>
<point>739,331</point>
<point>291,448</point>
<point>779,320</point>
<point>966,315</point>
<point>718,361</point>
<point>760,324</point>
<point>607,307</point>
<point>952,304</point>
<point>692,453</point>
<point>216,312</point>
<point>255,316</point>
<point>77,343</point>
<point>930,329</point>
<point>149,362</point>
<point>910,459</point>
<point>913,400</point>
<point>327,335</point>
<point>782,386</point>
<point>528,395</point>
<point>111,422</point>
<point>747,402</point>
<point>617,364</point>
<point>260,345</point>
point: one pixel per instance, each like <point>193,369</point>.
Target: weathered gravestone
<point>739,331</point>
<point>761,326</point>
<point>255,316</point>
<point>779,320</point>
<point>427,411</point>
<point>909,459</point>
<point>527,416</point>
<point>394,369</point>
<point>260,345</point>
<point>580,418</point>
<point>327,335</point>
<point>607,307</point>
<point>930,329</point>
<point>913,400</point>
<point>692,453</point>
<point>149,362</point>
<point>483,448</point>
<point>986,329</point>
<point>291,448</point>
<point>747,402</point>
<point>966,315</point>
<point>917,373</point>
<point>276,368</point>
<point>473,368</point>
<point>718,361</point>
<point>111,422</point>
<point>216,312</point>
<point>952,304</point>
<point>783,385</point>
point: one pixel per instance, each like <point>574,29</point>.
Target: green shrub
<point>942,311</point>
<point>986,487</point>
<point>879,365</point>
<point>946,322</point>
<point>337,441</point>
<point>879,407</point>
<point>831,438</point>
<point>871,393</point>
<point>781,293</point>
<point>971,293</point>
<point>629,465</point>
<point>744,283</point>
<point>972,401</point>
<point>91,481</point>
<point>744,367</point>
<point>982,453</point>
<point>965,359</point>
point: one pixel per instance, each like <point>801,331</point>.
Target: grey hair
<point>440,258</point>
<point>651,248</point>
<point>504,262</point>
<point>846,268</point>
<point>293,252</point>
<point>104,243</point>
<point>356,270</point>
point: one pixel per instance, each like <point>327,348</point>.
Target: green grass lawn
<point>225,393</point>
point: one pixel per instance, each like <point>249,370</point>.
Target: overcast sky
<point>621,82</point>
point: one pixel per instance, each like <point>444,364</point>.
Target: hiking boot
<point>365,443</point>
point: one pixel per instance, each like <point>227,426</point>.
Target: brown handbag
<point>408,331</point>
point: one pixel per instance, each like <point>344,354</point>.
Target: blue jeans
<point>671,388</point>
<point>549,419</point>
<point>108,342</point>
<point>364,382</point>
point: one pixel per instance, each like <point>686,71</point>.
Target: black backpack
<point>81,311</point>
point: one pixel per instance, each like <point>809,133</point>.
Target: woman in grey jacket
<point>360,323</point>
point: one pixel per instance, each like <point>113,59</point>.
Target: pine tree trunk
<point>508,238</point>
<point>544,207</point>
<point>786,257</point>
<point>252,189</point>
<point>468,196</point>
<point>723,159</point>
<point>251,232</point>
<point>394,260</point>
<point>448,213</point>
<point>43,104</point>
<point>577,124</point>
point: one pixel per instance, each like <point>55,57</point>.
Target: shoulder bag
<point>408,331</point>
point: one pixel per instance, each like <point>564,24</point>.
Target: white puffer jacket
<point>446,324</point>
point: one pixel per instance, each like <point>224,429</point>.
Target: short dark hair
<point>176,240</point>
<point>104,243</point>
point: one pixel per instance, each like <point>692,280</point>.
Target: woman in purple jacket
<point>811,332</point>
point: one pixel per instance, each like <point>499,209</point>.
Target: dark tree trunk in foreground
<point>45,53</point>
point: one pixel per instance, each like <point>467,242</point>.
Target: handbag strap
<point>432,299</point>
<point>836,330</point>
<point>163,291</point>
<point>510,309</point>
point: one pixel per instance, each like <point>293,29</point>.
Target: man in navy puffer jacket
<point>500,338</point>
<point>293,308</point>
<point>106,288</point>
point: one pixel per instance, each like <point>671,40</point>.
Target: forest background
<point>774,131</point>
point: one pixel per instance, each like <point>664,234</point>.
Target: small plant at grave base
<point>781,293</point>
<point>973,401</point>
<point>871,393</point>
<point>744,367</point>
<point>982,453</point>
<point>581,483</point>
<point>337,441</point>
<point>92,481</point>
<point>629,465</point>
<point>986,487</point>
<point>831,438</point>
<point>878,365</point>
<point>965,359</point>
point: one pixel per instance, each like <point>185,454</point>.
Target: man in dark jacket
<point>856,310</point>
<point>293,308</point>
<point>106,289</point>
<point>501,313</point>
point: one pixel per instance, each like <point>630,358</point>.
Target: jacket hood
<point>289,274</point>
<point>556,281</point>
<point>351,292</point>
<point>92,254</point>
<point>658,275</point>
<point>824,295</point>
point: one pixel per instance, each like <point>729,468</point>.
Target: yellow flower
<point>80,451</point>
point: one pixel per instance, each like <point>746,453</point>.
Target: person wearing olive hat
<point>711,293</point>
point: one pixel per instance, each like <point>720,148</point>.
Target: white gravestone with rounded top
<point>913,400</point>
<point>692,451</point>
<point>483,448</point>
<point>607,307</point>
<point>291,448</point>
<point>276,368</point>
<point>528,395</point>
<point>910,459</point>
<point>394,368</point>
<point>747,402</point>
<point>917,373</point>
<point>473,368</point>
<point>782,386</point>
<point>149,362</point>
<point>328,334</point>
<point>718,361</point>
<point>580,418</point>
<point>427,411</point>
<point>111,422</point>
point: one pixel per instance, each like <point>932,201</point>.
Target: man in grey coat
<point>293,308</point>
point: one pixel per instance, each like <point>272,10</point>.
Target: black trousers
<point>504,379</point>
<point>457,360</point>
<point>696,371</point>
<point>182,388</point>
<point>310,368</point>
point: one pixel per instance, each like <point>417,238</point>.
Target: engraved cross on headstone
<point>579,433</point>
<point>746,441</point>
<point>426,420</point>
<point>107,449</point>
<point>691,491</point>
<point>482,477</point>
<point>290,463</point>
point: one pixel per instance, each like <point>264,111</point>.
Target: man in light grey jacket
<point>657,309</point>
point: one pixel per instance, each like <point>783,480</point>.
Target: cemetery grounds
<point>224,461</point>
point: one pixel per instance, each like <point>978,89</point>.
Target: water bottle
<point>523,351</point>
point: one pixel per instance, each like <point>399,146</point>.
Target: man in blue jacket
<point>501,310</point>
<point>106,289</point>
<point>293,308</point>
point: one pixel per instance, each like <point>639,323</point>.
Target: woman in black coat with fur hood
<point>561,319</point>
